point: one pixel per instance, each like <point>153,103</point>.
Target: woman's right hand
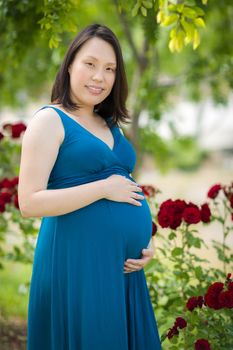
<point>119,188</point>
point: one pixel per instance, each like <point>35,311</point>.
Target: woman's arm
<point>40,146</point>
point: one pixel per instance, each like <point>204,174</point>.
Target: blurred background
<point>180,101</point>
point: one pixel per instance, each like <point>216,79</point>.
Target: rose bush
<point>178,274</point>
<point>23,230</point>
<point>207,323</point>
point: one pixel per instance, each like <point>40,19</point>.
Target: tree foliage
<point>171,48</point>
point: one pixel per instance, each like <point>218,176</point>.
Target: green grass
<point>12,302</point>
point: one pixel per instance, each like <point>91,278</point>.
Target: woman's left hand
<point>132,265</point>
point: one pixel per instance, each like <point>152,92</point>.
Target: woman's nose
<point>98,75</point>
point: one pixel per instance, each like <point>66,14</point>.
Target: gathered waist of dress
<point>65,182</point>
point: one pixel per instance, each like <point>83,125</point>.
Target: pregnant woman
<point>88,288</point>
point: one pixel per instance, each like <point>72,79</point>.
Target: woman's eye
<point>109,68</point>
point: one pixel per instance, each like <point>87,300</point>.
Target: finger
<point>137,196</point>
<point>131,270</point>
<point>135,202</point>
<point>136,188</point>
<point>127,270</point>
<point>135,261</point>
<point>134,266</point>
<point>140,263</point>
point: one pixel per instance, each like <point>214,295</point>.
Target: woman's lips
<point>94,90</point>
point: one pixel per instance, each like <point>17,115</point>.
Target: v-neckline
<point>90,133</point>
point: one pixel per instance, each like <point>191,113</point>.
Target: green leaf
<point>54,41</point>
<point>188,27</point>
<point>143,11</point>
<point>199,11</point>
<point>196,39</point>
<point>135,9</point>
<point>198,271</point>
<point>180,8</point>
<point>189,12</point>
<point>190,2</point>
<point>199,22</point>
<point>147,4</point>
<point>174,339</point>
<point>177,251</point>
<point>172,235</point>
<point>48,25</point>
<point>172,7</point>
<point>168,20</point>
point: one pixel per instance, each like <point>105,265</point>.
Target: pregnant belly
<point>134,225</point>
<point>104,228</point>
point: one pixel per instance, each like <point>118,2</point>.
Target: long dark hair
<point>113,106</point>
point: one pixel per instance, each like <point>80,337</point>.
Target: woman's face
<point>92,72</point>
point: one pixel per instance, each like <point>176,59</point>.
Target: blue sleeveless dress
<point>80,298</point>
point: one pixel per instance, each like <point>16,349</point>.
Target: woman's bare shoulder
<point>47,121</point>
<point>45,114</point>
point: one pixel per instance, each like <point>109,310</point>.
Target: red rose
<point>202,344</point>
<point>173,331</point>
<point>212,295</point>
<point>164,218</point>
<point>176,221</point>
<point>17,129</point>
<point>180,323</point>
<point>5,197</point>
<point>166,214</point>
<point>230,286</point>
<point>228,276</point>
<point>168,203</point>
<point>2,206</point>
<point>215,288</point>
<point>200,301</point>
<point>231,201</point>
<point>9,184</point>
<point>5,183</point>
<point>212,301</point>
<point>226,299</point>
<point>192,303</point>
<point>205,213</point>
<point>213,191</point>
<point>179,205</point>
<point>192,214</point>
<point>170,213</point>
<point>148,190</point>
<point>16,201</point>
<point>146,193</point>
<point>154,228</point>
<point>228,193</point>
<point>15,181</point>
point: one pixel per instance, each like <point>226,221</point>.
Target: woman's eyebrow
<point>96,59</point>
